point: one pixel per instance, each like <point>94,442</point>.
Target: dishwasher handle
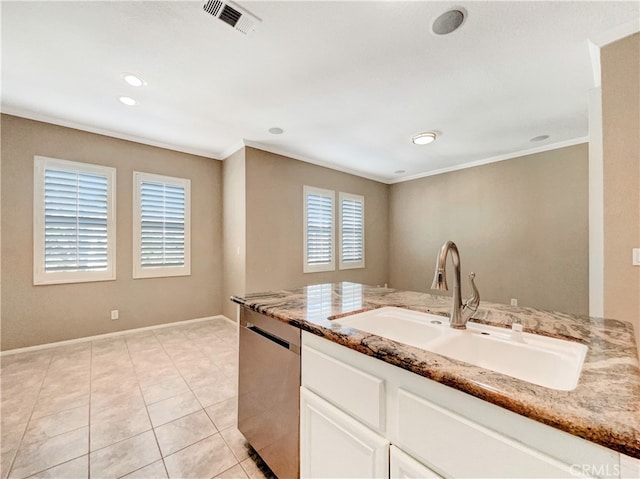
<point>271,337</point>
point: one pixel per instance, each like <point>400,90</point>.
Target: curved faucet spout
<point>460,313</point>
<point>440,277</point>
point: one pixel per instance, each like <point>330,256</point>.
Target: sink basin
<point>549,362</point>
<point>402,325</point>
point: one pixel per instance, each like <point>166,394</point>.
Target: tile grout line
<point>238,461</point>
<point>120,440</point>
<point>222,472</point>
<point>201,405</point>
<point>49,415</point>
<point>146,408</point>
<point>229,427</point>
<point>89,418</point>
<point>182,376</point>
<point>191,341</point>
<point>56,465</point>
<point>194,395</point>
<point>15,456</point>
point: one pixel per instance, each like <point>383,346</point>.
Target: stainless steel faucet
<point>460,313</point>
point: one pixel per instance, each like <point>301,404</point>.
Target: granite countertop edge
<point>604,408</point>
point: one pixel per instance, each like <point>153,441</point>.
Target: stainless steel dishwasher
<point>269,390</point>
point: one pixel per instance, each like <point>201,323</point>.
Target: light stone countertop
<point>604,408</point>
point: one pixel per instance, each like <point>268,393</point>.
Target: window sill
<point>146,273</point>
<point>61,278</point>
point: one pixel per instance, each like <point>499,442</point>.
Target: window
<point>73,222</point>
<point>161,226</point>
<point>318,230</point>
<point>319,236</point>
<point>351,231</point>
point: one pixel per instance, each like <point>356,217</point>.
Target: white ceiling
<point>349,82</point>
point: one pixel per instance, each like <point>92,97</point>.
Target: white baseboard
<point>110,335</point>
<point>222,316</point>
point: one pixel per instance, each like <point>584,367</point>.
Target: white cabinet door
<point>404,466</point>
<point>334,445</point>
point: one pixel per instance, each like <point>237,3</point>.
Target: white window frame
<point>350,264</point>
<point>140,272</point>
<point>40,276</point>
<point>316,268</point>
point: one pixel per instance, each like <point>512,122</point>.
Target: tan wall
<point>39,314</point>
<point>521,225</point>
<point>620,64</point>
<point>275,222</point>
<point>234,230</point>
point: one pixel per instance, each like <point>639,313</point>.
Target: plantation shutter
<point>162,225</point>
<point>319,230</point>
<point>351,231</point>
<point>75,221</point>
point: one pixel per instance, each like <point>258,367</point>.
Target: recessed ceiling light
<point>449,21</point>
<point>399,172</point>
<point>276,131</point>
<point>539,138</point>
<point>424,138</point>
<point>127,101</point>
<point>133,80</point>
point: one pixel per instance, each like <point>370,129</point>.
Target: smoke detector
<point>232,15</point>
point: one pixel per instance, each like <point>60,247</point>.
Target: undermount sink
<point>549,362</point>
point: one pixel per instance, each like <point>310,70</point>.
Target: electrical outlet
<point>636,257</point>
<point>514,302</point>
<point>114,314</point>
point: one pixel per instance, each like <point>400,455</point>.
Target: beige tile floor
<point>153,404</point>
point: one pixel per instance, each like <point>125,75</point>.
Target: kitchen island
<point>604,408</point>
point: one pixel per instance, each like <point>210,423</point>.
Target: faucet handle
<point>472,301</point>
<point>516,330</point>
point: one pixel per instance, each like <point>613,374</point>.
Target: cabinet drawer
<point>455,446</point>
<point>358,393</point>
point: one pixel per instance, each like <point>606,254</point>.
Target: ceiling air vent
<point>232,15</point>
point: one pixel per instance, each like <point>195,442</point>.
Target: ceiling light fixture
<point>127,101</point>
<point>449,21</point>
<point>133,80</point>
<point>276,131</point>
<point>399,172</point>
<point>540,138</point>
<point>424,138</point>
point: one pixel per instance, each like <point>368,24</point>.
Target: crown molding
<point>30,115</point>
<point>494,159</point>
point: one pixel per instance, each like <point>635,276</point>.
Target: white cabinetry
<point>353,406</point>
<point>334,445</point>
<point>463,448</point>
<point>404,466</point>
<point>346,386</point>
<point>629,467</point>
